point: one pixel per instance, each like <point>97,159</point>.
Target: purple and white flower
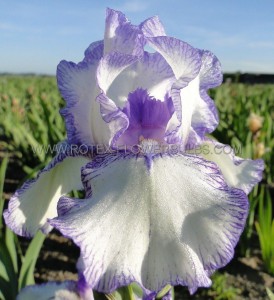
<point>156,211</point>
<point>67,290</point>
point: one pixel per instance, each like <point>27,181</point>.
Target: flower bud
<point>254,122</point>
<point>259,150</point>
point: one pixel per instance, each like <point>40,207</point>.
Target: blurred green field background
<point>30,119</point>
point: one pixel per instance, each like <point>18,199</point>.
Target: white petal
<point>182,58</point>
<point>204,112</point>
<point>173,220</point>
<point>78,86</point>
<point>113,20</point>
<point>153,27</point>
<point>50,291</point>
<point>185,61</point>
<point>110,66</point>
<point>151,72</point>
<point>36,201</point>
<point>238,172</point>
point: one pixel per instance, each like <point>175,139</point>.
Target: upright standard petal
<point>118,75</point>
<point>121,35</point>
<point>152,27</point>
<point>36,201</point>
<point>185,62</point>
<point>238,172</point>
<point>94,52</point>
<point>150,72</point>
<point>205,116</point>
<point>175,221</point>
<point>110,67</point>
<point>78,86</point>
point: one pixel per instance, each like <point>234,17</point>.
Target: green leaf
<point>163,292</point>
<point>7,271</point>
<point>137,290</point>
<point>270,294</point>
<point>26,273</point>
<point>11,246</point>
<point>123,293</point>
<point>3,169</point>
<point>5,290</point>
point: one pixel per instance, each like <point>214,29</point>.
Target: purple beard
<point>148,117</point>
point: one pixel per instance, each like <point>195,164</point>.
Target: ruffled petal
<point>205,116</point>
<point>152,27</point>
<point>78,86</point>
<point>238,172</point>
<point>119,75</point>
<point>36,201</point>
<point>111,65</point>
<point>121,35</point>
<point>183,59</point>
<point>151,72</point>
<point>66,290</point>
<point>113,116</point>
<point>185,62</point>
<point>173,220</point>
<point>94,52</point>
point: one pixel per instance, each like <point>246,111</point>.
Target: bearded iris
<point>151,217</point>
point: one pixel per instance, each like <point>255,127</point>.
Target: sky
<point>36,35</point>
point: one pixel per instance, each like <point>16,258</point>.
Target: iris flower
<point>164,204</point>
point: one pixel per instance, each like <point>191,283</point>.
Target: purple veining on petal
<point>210,74</point>
<point>148,117</point>
<point>121,35</point>
<point>111,114</point>
<point>205,117</point>
<point>110,66</point>
<point>65,112</point>
<point>84,290</point>
<point>185,62</point>
<point>100,161</point>
<point>65,204</point>
<point>10,218</point>
<point>130,35</point>
<point>151,72</point>
<point>237,207</point>
<point>256,166</point>
<point>94,52</point>
<point>152,27</point>
<point>70,95</point>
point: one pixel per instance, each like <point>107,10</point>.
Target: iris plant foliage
<point>164,204</point>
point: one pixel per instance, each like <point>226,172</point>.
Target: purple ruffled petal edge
<point>185,62</point>
<point>109,68</point>
<point>152,27</point>
<point>121,35</point>
<point>211,76</point>
<point>237,198</point>
<point>258,164</point>
<point>94,52</point>
<point>92,56</point>
<point>14,202</point>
